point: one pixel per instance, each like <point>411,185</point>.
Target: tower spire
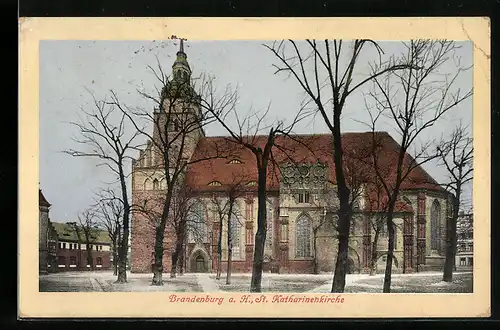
<point>181,47</point>
<point>181,69</point>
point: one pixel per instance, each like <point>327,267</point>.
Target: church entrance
<point>199,263</point>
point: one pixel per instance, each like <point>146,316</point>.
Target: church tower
<point>177,127</point>
<point>180,110</point>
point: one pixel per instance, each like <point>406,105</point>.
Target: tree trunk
<point>89,257</point>
<point>344,222</point>
<point>374,254</point>
<point>315,264</point>
<point>451,240</point>
<point>175,256</point>
<point>158,265</point>
<point>229,242</point>
<point>181,259</point>
<point>159,236</point>
<point>219,249</point>
<point>123,251</point>
<point>390,252</point>
<point>173,268</point>
<point>115,264</point>
<point>115,259</point>
<point>340,272</point>
<point>260,235</point>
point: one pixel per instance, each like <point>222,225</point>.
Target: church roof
<point>42,201</point>
<point>302,149</point>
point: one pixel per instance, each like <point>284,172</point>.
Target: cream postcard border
<point>151,304</point>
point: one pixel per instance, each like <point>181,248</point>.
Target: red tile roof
<point>301,149</point>
<point>41,199</point>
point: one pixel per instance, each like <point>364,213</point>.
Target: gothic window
<point>303,237</point>
<point>234,161</point>
<point>269,232</point>
<point>435,225</point>
<point>252,183</point>
<point>235,235</point>
<point>147,183</point>
<point>303,197</point>
<point>155,184</point>
<point>185,75</point>
<point>196,224</point>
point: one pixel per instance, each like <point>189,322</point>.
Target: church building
<point>301,200</point>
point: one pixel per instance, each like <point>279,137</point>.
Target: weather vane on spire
<point>181,46</point>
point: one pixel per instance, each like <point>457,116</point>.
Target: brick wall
<point>81,259</point>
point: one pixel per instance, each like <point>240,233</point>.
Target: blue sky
<point>68,68</point>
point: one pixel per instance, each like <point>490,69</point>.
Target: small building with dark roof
<point>74,254</point>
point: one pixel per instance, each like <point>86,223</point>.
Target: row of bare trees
<point>412,91</point>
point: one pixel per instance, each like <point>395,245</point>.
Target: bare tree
<point>178,121</point>
<point>223,206</point>
<point>103,136</point>
<point>186,217</point>
<point>414,100</point>
<point>109,210</point>
<point>378,211</point>
<point>78,232</point>
<point>87,221</point>
<point>246,135</point>
<point>325,72</point>
<point>456,154</point>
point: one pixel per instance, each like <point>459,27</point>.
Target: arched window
<point>215,183</point>
<point>147,184</point>
<point>435,225</point>
<point>303,236</point>
<point>163,183</point>
<point>235,235</point>
<point>196,223</point>
<point>155,184</point>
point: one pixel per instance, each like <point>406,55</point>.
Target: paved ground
<point>104,281</point>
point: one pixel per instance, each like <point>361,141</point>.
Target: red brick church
<point>301,205</point>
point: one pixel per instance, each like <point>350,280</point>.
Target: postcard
<point>254,167</point>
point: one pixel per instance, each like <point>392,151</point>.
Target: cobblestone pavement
<point>105,281</point>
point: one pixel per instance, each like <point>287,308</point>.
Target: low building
<point>73,253</point>
<point>464,258</point>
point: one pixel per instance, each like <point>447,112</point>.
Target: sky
<point>69,70</point>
